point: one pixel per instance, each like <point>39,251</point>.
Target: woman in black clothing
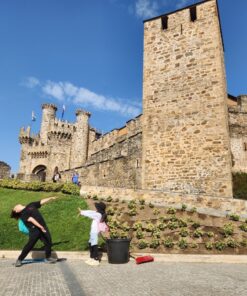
<point>37,227</point>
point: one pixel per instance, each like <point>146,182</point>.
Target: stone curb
<point>177,258</point>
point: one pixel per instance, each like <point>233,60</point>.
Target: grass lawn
<point>68,231</point>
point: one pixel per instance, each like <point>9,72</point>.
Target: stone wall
<point>205,204</point>
<point>238,133</point>
<point>4,170</point>
<point>186,145</point>
<point>116,166</point>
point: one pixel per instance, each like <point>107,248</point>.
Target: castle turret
<point>81,136</point>
<point>48,118</point>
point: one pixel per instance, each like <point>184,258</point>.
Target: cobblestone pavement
<point>75,278</point>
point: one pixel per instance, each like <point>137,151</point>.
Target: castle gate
<point>40,170</point>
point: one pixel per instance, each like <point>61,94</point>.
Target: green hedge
<point>67,188</point>
<point>240,185</point>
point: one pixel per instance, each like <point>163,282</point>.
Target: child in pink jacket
<point>97,217</point>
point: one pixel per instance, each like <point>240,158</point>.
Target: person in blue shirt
<point>75,178</point>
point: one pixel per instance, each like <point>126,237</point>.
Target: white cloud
<point>31,82</point>
<point>146,8</point>
<point>70,93</point>
<point>54,89</point>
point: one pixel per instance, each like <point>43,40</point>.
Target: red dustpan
<point>144,259</point>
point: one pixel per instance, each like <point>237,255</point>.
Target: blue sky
<point>88,54</point>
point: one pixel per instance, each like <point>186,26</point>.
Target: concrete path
<point>75,278</point>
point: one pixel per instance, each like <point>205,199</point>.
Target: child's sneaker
<point>92,262</point>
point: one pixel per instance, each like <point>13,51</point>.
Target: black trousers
<point>94,252</point>
<point>34,236</point>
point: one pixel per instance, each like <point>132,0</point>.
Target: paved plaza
<point>74,277</point>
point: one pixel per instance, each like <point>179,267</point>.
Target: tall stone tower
<point>186,145</point>
<point>81,137</point>
<point>48,118</point>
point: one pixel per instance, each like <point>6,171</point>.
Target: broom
<point>143,259</point>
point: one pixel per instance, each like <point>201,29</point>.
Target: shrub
<point>183,232</point>
<point>220,245</point>
<point>142,201</point>
<point>168,242</point>
<point>183,244</point>
<point>150,227</point>
<point>193,210</point>
<point>118,233</point>
<point>137,225</point>
<point>132,212</point>
<point>194,245</point>
<point>125,226</point>
<point>142,207</point>
<point>227,229</point>
<point>195,225</point>
<point>52,187</point>
<point>161,225</point>
<point>243,227</point>
<point>234,217</point>
<point>243,243</point>
<point>139,234</point>
<point>210,234</point>
<point>132,205</point>
<point>198,233</point>
<point>70,188</point>
<point>67,188</point>
<point>209,245</point>
<point>232,243</point>
<point>154,243</point>
<point>151,205</point>
<point>95,197</point>
<point>172,225</point>
<point>142,244</point>
<point>109,199</point>
<point>110,211</point>
<point>183,207</point>
<point>173,218</point>
<point>156,233</point>
<point>171,211</point>
<point>156,211</point>
<point>182,223</point>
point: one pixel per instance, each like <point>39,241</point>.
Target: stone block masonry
<point>186,143</point>
<point>4,170</point>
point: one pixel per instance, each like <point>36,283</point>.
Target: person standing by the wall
<point>75,178</point>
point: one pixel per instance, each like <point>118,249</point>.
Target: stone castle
<point>190,137</point>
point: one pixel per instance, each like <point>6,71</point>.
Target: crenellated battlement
<point>82,112</point>
<point>49,106</point>
<point>61,130</point>
<point>182,18</point>
<point>25,136</point>
<point>131,128</point>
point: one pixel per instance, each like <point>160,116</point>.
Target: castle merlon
<point>82,112</point>
<point>49,106</point>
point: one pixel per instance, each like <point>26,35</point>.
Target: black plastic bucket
<point>118,250</point>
